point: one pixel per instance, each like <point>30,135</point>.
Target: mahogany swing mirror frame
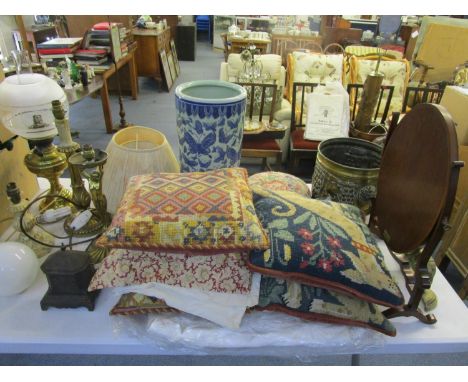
<point>415,194</point>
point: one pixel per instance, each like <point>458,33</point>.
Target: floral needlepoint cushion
<point>137,303</point>
<point>196,212</point>
<point>224,273</point>
<point>321,243</point>
<point>279,181</point>
<point>318,304</point>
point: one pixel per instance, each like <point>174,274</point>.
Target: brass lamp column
<point>67,146</point>
<point>47,162</point>
<point>90,163</point>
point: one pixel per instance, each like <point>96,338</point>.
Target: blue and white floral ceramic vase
<point>210,124</point>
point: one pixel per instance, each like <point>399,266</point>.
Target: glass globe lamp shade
<point>18,268</point>
<point>26,95</point>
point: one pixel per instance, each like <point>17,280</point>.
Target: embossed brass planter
<point>346,171</point>
<point>377,131</point>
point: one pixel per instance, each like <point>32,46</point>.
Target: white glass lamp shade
<point>135,150</point>
<point>18,268</point>
<point>25,95</point>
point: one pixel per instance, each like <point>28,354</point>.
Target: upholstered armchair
<point>396,73</point>
<point>305,71</point>
<point>313,68</point>
<point>271,67</point>
<point>316,68</point>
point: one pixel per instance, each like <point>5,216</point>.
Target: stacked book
<point>126,40</point>
<point>97,58</point>
<point>119,37</point>
<point>96,48</point>
<point>98,39</point>
<point>55,50</point>
<point>112,38</point>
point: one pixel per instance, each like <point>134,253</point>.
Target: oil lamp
<point>25,109</point>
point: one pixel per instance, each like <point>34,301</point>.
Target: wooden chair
<point>421,94</point>
<point>227,46</point>
<point>311,46</point>
<point>283,47</point>
<point>300,148</point>
<point>355,94</point>
<point>261,143</point>
<point>334,48</point>
<point>287,46</point>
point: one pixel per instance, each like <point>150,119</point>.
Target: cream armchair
<point>306,70</point>
<point>316,68</point>
<point>396,73</point>
<point>271,64</point>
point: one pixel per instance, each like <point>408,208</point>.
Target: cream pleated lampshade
<point>135,150</point>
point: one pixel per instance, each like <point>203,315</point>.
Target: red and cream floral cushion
<point>225,273</point>
<point>197,212</point>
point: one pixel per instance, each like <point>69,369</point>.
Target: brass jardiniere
<point>346,171</point>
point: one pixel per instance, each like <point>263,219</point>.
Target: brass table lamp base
<point>47,162</point>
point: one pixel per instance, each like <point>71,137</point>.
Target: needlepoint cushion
<point>321,243</point>
<point>197,212</point>
<point>224,273</point>
<point>279,181</point>
<point>318,304</point>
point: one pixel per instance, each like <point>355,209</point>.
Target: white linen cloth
<point>225,309</point>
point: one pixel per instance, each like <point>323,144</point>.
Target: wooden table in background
<point>78,93</point>
<point>100,82</point>
<point>150,42</point>
<point>129,60</point>
<point>240,44</point>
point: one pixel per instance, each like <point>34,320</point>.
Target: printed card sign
<point>327,114</point>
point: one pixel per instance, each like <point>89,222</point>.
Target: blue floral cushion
<point>321,243</point>
<point>318,304</point>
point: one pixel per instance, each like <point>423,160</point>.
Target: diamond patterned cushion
<point>324,244</point>
<point>318,304</point>
<point>198,212</point>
